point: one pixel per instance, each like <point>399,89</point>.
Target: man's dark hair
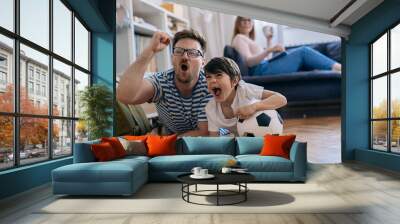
<point>191,34</point>
<point>225,65</point>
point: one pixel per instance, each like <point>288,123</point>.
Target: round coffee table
<point>238,179</point>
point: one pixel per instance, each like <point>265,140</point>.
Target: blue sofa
<point>309,93</point>
<point>125,176</point>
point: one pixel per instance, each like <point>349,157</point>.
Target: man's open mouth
<point>216,91</point>
<point>184,67</point>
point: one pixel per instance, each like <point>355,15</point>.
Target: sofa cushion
<point>249,145</point>
<point>103,152</point>
<point>257,163</point>
<point>134,147</point>
<point>112,171</point>
<point>233,54</point>
<point>207,145</point>
<point>135,137</point>
<point>277,145</point>
<point>83,152</point>
<point>130,158</point>
<point>161,145</point>
<point>334,51</point>
<point>185,163</point>
<point>302,86</point>
<point>116,145</point>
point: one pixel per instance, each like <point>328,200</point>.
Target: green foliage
<point>380,127</point>
<point>96,102</point>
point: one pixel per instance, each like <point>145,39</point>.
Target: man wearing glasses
<point>180,94</point>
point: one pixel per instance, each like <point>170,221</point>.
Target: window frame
<point>388,74</point>
<point>16,114</point>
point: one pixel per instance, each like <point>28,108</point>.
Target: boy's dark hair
<point>225,65</point>
<point>191,34</point>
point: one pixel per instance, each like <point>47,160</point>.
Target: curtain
<point>217,29</point>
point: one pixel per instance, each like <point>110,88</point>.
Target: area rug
<point>166,198</point>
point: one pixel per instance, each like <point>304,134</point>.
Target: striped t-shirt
<point>177,113</point>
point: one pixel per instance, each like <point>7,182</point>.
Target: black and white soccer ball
<point>261,123</point>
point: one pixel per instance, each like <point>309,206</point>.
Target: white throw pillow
<point>134,147</point>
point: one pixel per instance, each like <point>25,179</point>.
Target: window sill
<point>26,167</point>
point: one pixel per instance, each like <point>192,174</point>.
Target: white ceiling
<point>314,15</point>
<point>321,9</point>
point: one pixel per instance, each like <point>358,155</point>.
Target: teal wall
<point>103,64</point>
<point>24,178</point>
<point>99,16</point>
<point>380,159</point>
<point>356,113</point>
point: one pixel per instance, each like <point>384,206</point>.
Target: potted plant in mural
<point>96,104</point>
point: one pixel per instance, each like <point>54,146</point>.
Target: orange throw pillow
<point>103,151</point>
<point>116,145</point>
<point>161,145</point>
<point>277,145</point>
<point>135,138</point>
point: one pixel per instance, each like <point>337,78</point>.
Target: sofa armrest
<point>298,155</point>
<point>83,152</point>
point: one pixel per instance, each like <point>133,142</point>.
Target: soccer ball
<point>261,123</point>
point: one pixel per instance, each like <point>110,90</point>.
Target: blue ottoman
<point>118,177</point>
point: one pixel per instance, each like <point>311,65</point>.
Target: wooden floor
<point>377,189</point>
<point>322,135</point>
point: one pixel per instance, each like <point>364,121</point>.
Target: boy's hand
<point>246,111</point>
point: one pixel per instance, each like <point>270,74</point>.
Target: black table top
<point>220,178</point>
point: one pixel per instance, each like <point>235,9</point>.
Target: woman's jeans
<point>300,58</point>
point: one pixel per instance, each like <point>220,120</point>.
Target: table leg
<point>217,194</point>
<point>182,190</point>
<point>245,191</point>
<point>196,188</point>
<point>188,189</point>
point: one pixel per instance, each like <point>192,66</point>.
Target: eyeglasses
<point>191,53</point>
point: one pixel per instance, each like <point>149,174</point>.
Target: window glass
<point>7,14</point>
<point>62,138</point>
<point>379,97</point>
<point>81,45</point>
<point>6,74</point>
<point>395,95</point>
<point>39,62</point>
<point>6,142</point>
<point>81,131</point>
<point>81,81</point>
<point>30,88</point>
<point>395,47</point>
<point>34,145</point>
<point>395,136</point>
<point>62,91</point>
<point>34,81</point>
<point>62,29</point>
<point>379,56</point>
<point>379,135</point>
<point>35,21</point>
